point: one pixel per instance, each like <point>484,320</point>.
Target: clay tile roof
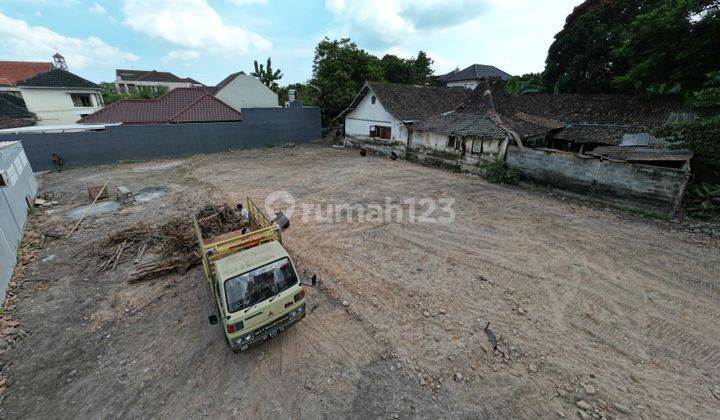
<point>7,122</point>
<point>412,102</point>
<point>475,72</point>
<point>12,72</point>
<point>148,76</point>
<point>180,105</point>
<point>58,78</point>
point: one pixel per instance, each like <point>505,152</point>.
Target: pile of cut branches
<point>173,244</point>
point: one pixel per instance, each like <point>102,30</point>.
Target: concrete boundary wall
<point>627,185</point>
<point>13,207</point>
<point>261,127</point>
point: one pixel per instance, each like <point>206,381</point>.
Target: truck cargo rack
<point>213,249</point>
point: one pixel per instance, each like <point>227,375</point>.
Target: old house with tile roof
<point>472,76</point>
<point>178,106</point>
<point>127,81</point>
<point>386,111</point>
<point>60,97</point>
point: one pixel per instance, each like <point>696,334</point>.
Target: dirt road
<point>590,306</point>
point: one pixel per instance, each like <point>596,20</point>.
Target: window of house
<point>476,147</point>
<point>453,143</point>
<point>380,131</point>
<point>81,100</point>
<point>372,100</point>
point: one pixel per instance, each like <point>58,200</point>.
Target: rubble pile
<point>173,244</point>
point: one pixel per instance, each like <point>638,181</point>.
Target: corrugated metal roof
<point>641,139</point>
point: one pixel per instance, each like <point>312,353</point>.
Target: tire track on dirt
<point>686,344</point>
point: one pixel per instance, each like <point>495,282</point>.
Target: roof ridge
<point>190,105</point>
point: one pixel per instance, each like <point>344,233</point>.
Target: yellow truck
<point>252,281</point>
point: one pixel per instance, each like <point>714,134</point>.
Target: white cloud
<point>97,9</point>
<point>20,41</point>
<point>183,56</point>
<point>382,23</point>
<point>190,24</point>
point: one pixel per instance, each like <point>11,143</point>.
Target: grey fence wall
<point>627,185</point>
<point>13,206</point>
<point>260,127</point>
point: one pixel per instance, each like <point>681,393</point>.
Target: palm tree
<point>266,74</point>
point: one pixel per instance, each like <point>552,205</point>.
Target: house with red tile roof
<point>12,72</point>
<point>178,106</point>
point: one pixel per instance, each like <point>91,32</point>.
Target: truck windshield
<point>257,285</point>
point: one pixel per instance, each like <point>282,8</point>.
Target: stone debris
<point>584,405</point>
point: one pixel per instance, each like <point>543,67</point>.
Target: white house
<point>472,76</point>
<point>60,97</point>
<point>129,80</point>
<point>240,90</point>
<point>386,111</point>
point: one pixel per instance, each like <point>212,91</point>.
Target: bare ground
<point>588,304</point>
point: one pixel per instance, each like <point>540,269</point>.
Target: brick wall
<point>642,187</point>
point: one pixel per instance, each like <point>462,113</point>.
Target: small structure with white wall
<point>472,76</point>
<point>59,97</point>
<point>17,183</point>
<point>240,90</point>
<point>383,113</point>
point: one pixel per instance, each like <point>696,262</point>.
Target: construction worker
<point>57,161</point>
<point>244,214</point>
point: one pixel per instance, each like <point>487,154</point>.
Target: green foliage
<point>673,43</point>
<point>656,46</point>
<point>304,92</point>
<point>110,94</point>
<point>498,173</point>
<point>527,83</point>
<point>704,201</point>
<point>266,74</point>
<point>340,69</point>
<point>703,135</point>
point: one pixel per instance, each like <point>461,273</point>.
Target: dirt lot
<point>589,305</point>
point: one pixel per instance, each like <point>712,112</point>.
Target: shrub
<point>499,173</point>
<point>704,201</point>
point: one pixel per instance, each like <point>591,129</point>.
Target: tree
<point>414,71</point>
<point>671,47</point>
<point>266,75</point>
<point>304,93</point>
<point>583,56</point>
<point>340,69</point>
<point>527,83</point>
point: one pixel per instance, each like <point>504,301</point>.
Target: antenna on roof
<point>59,62</point>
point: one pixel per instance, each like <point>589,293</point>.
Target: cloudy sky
<point>208,39</point>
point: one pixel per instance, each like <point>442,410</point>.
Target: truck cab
<point>252,280</point>
<point>259,294</point>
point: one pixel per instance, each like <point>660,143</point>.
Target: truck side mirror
<point>213,319</point>
<point>313,280</point>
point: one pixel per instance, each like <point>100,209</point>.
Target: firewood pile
<point>168,248</point>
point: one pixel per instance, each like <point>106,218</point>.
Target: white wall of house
<point>475,149</point>
<point>245,91</point>
<point>431,140</point>
<point>55,106</point>
<point>467,84</point>
<point>368,114</point>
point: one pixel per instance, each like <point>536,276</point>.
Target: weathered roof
<point>181,105</point>
<point>597,133</point>
<point>148,76</point>
<point>58,78</point>
<point>483,117</point>
<point>640,154</point>
<point>8,122</point>
<point>12,72</point>
<point>411,102</point>
<point>14,107</point>
<point>475,72</point>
